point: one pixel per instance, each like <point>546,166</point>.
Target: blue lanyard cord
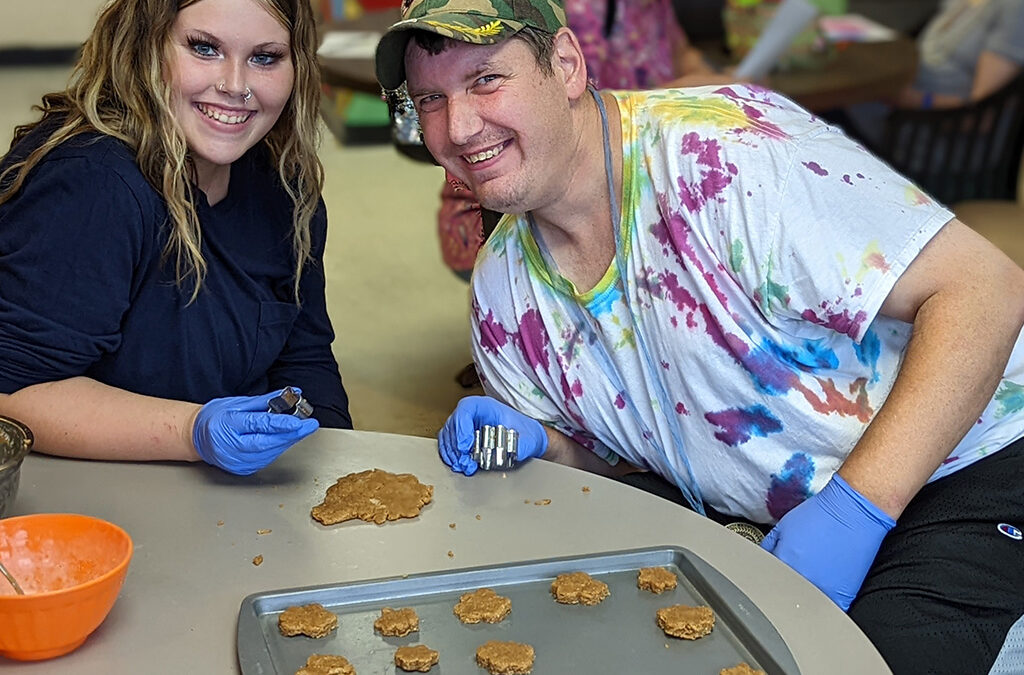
<point>690,489</point>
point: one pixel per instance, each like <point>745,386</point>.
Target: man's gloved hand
<point>831,539</point>
<point>238,435</point>
<point>455,440</point>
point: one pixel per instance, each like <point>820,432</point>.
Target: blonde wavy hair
<point>120,88</point>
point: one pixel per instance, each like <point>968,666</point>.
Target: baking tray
<point>620,635</point>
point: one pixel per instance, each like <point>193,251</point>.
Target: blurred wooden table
<point>860,71</point>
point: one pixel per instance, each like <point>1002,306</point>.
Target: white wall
<point>46,23</point>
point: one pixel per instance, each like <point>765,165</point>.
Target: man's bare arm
<point>564,450</point>
<point>965,299</point>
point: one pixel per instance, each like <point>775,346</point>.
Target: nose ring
<point>223,88</point>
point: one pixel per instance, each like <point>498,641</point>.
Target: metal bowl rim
<point>26,445</point>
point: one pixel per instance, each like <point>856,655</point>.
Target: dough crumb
<point>586,489</point>
<point>263,531</point>
<point>257,561</point>
<point>542,502</point>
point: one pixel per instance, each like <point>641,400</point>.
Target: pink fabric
<point>639,52</point>
<point>459,226</point>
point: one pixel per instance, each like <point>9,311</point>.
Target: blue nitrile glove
<point>455,440</point>
<point>831,539</point>
<point>238,435</point>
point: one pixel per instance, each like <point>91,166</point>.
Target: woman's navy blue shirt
<point>85,289</point>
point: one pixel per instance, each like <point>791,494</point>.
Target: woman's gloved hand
<point>455,440</point>
<point>238,435</point>
<point>831,539</point>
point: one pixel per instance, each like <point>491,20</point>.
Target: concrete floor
<point>401,317</point>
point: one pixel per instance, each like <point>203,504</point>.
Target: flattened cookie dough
<point>742,669</point>
<point>374,496</point>
<point>578,588</point>
<point>397,622</point>
<point>312,620</point>
<point>505,658</point>
<point>656,579</point>
<point>419,658</point>
<point>683,621</point>
<point>482,604</point>
<point>326,664</point>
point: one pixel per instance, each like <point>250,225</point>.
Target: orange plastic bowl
<point>71,568</point>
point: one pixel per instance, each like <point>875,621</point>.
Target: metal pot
<point>15,442</point>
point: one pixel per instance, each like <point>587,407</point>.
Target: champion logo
<point>1011,531</point>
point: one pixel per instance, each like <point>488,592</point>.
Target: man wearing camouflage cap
<point>712,285</point>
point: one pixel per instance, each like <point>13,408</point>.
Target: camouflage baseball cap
<point>482,22</point>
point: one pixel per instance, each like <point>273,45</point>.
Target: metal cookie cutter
<point>496,448</point>
<point>747,531</point>
<point>290,402</point>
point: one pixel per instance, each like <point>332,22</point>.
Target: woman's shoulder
<point>84,171</point>
<point>91,152</point>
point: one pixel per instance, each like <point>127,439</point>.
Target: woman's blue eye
<point>203,48</point>
<point>266,59</point>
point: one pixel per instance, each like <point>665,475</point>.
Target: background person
<point>967,51</point>
<point>161,236</point>
<point>714,285</point>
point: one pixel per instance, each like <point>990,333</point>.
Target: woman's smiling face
<point>219,52</point>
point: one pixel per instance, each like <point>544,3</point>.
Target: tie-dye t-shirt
<point>758,247</point>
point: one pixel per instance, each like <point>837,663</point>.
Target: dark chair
<point>701,19</point>
<point>971,152</point>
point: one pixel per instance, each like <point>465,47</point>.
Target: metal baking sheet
<point>619,635</point>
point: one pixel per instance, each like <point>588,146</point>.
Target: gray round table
<point>195,530</point>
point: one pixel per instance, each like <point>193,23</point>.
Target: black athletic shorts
<point>948,582</point>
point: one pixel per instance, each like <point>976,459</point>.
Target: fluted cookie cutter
<point>747,531</point>
<point>290,402</point>
<point>495,448</point>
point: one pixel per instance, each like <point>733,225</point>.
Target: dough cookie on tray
<point>683,621</point>
<point>326,664</point>
<point>656,579</point>
<point>312,620</point>
<point>375,496</point>
<point>505,658</point>
<point>397,622</point>
<point>578,588</point>
<point>417,658</point>
<point>482,604</point>
<point>741,669</point>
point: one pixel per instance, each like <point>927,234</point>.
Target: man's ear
<point>569,63</point>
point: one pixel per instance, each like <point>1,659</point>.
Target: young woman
<point>161,241</point>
